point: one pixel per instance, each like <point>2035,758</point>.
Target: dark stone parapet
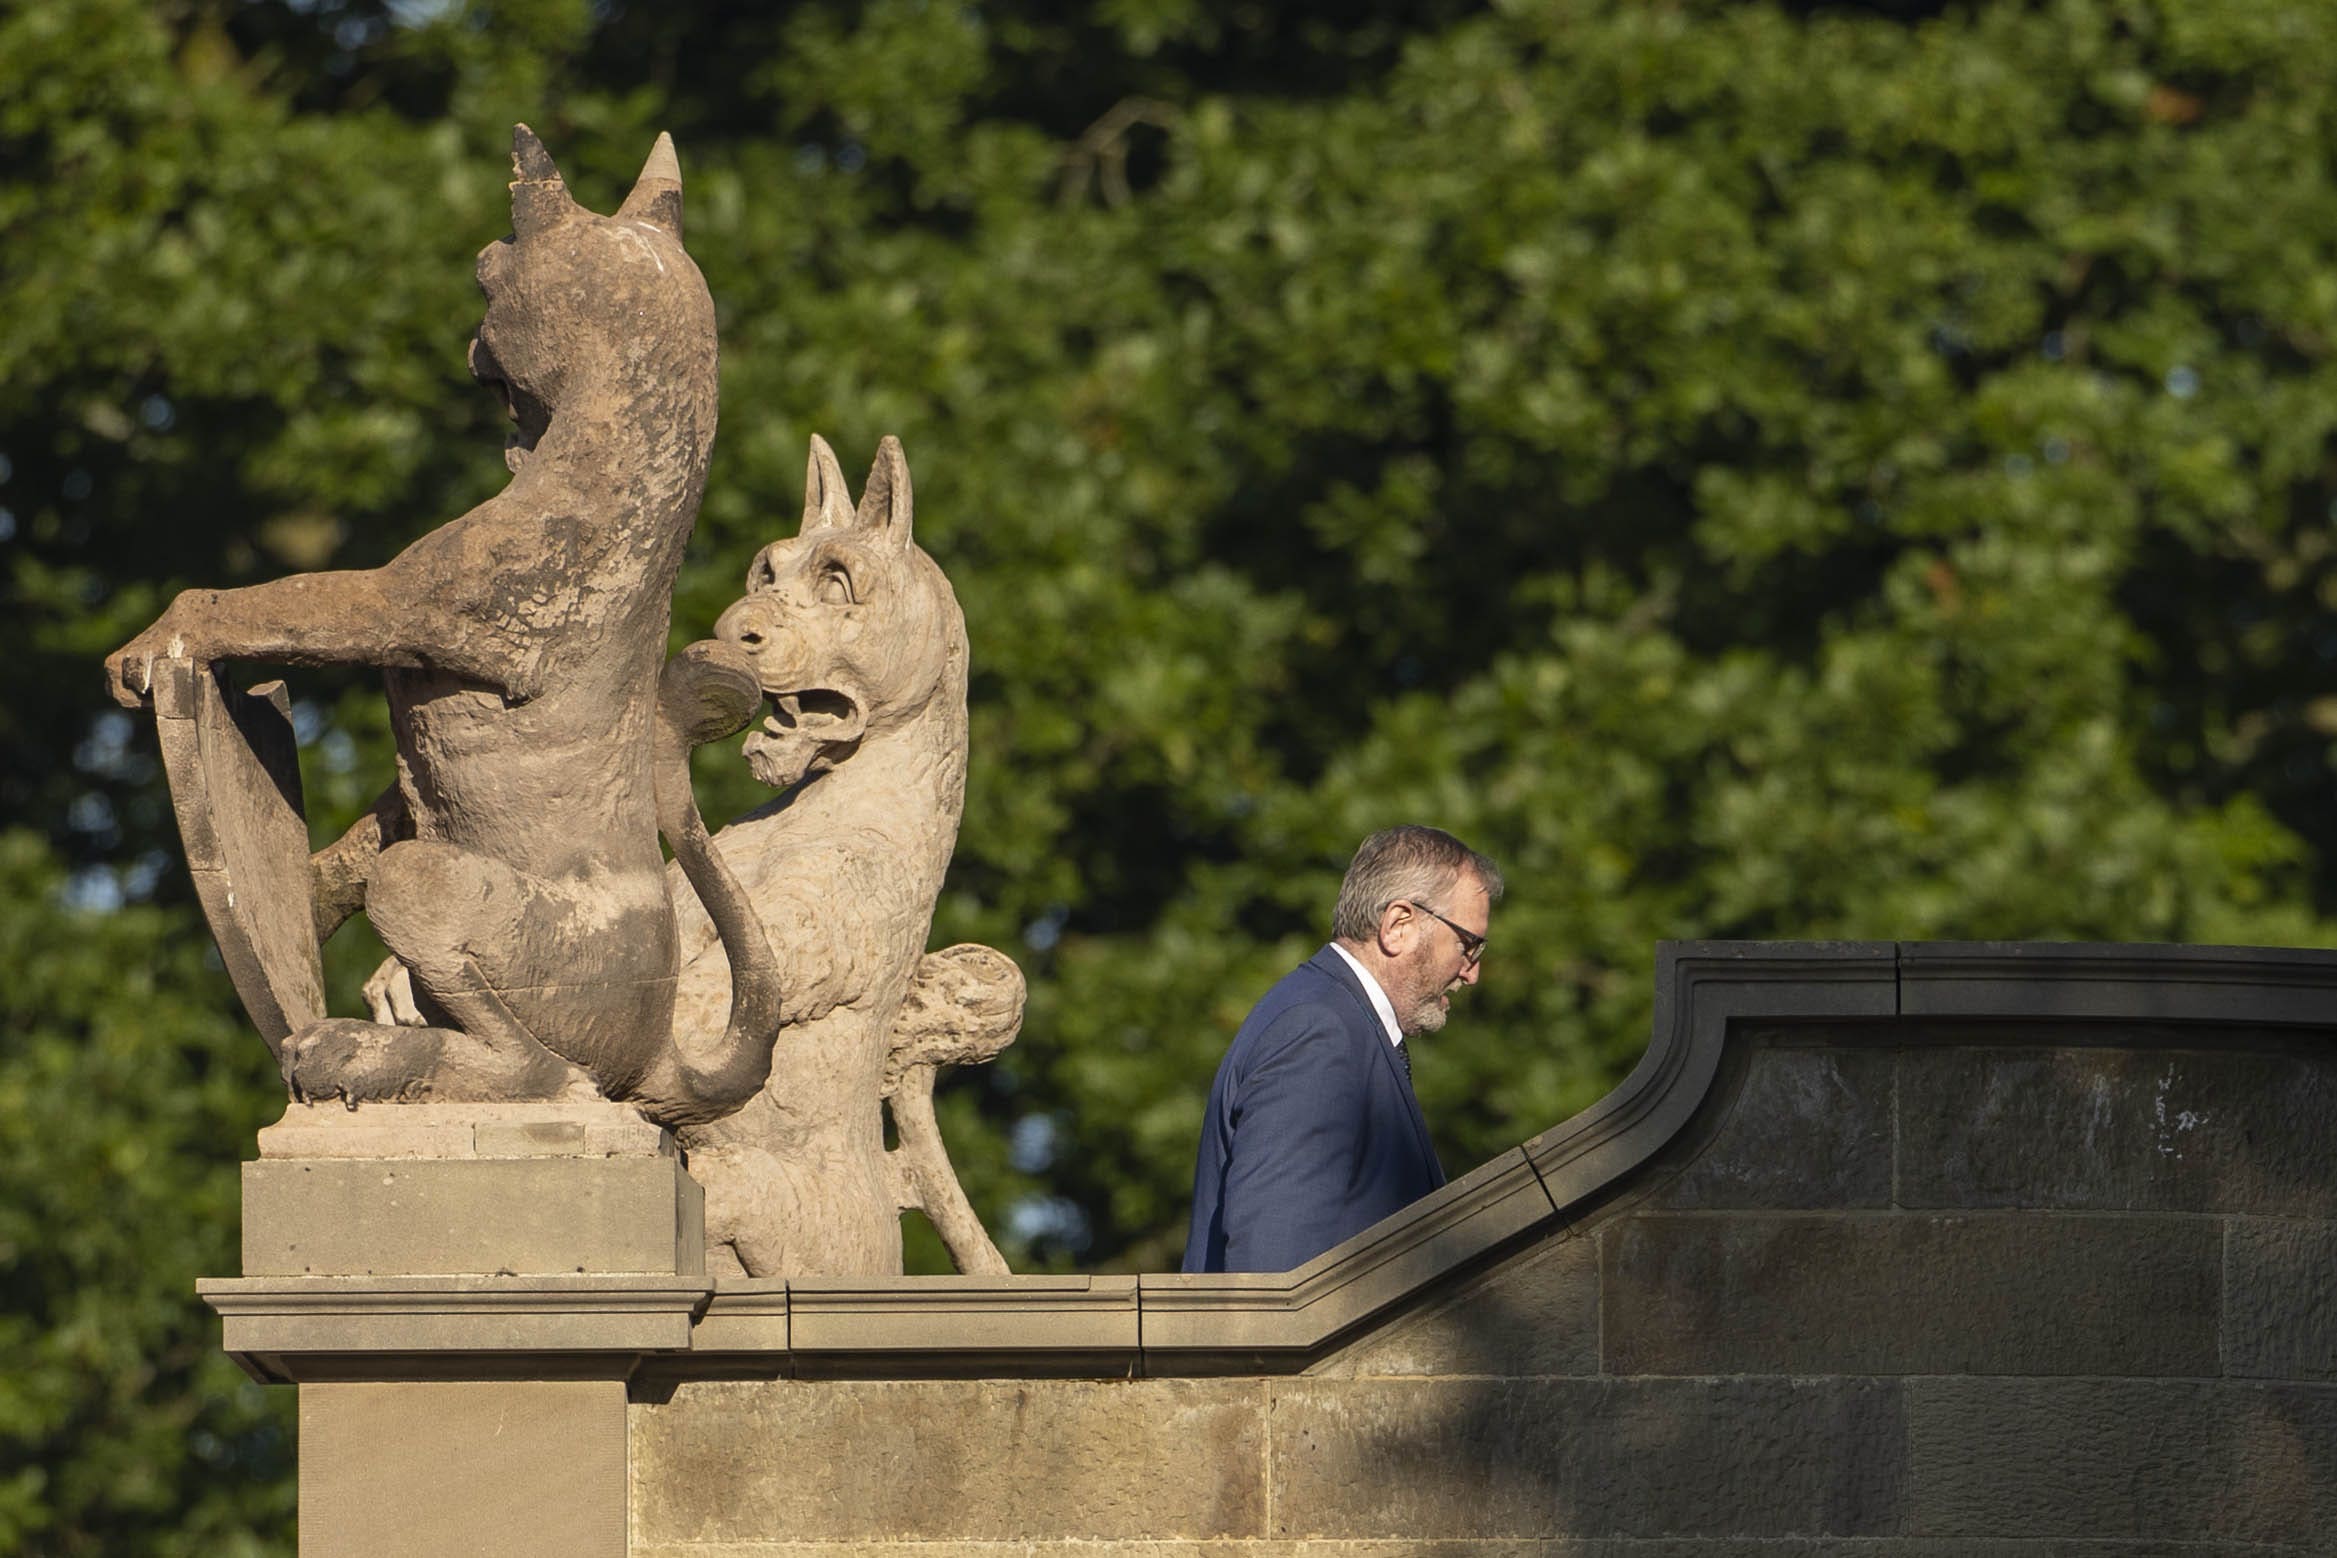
<point>1883,1250</point>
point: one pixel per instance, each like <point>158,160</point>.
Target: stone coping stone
<point>2115,981</point>
<point>746,1315</point>
<point>963,1315</point>
<point>1242,1313</point>
<point>300,1328</point>
<point>588,1128</point>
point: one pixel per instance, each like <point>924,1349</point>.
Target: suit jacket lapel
<point>1335,966</point>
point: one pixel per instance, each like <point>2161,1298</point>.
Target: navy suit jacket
<point>1312,1133</point>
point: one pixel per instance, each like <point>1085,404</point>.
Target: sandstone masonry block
<point>1510,1458</point>
<point>1619,1547</point>
<point>1877,1547</point>
<point>571,1128</point>
<point>1535,1314</point>
<point>2280,1300</point>
<point>521,1469</point>
<point>950,1460</point>
<point>2099,1128</point>
<point>2122,1460</point>
<point>1137,1548</point>
<point>1808,1128</point>
<point>1900,1293</point>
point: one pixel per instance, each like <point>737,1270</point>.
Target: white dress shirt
<point>1379,998</point>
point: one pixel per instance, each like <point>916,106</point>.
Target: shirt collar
<point>1379,998</point>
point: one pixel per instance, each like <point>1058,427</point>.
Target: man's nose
<point>1470,971</point>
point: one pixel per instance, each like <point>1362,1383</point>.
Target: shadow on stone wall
<point>1903,1284</point>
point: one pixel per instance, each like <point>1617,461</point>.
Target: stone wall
<point>1891,1284</point>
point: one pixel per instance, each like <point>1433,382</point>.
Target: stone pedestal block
<point>481,1190</point>
<point>362,1217</point>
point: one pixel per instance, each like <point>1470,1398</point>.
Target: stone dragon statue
<point>539,947</point>
<point>856,640</point>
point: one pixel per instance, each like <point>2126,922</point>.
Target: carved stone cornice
<point>1701,987</point>
<point>959,1324</point>
<point>287,1329</point>
<point>1242,1321</point>
<point>2256,986</point>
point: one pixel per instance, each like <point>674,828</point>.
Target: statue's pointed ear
<point>539,196</point>
<point>885,504</point>
<point>657,193</point>
<point>827,502</point>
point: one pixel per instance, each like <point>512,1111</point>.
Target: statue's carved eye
<point>835,586</point>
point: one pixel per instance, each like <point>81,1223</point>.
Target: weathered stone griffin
<point>856,639</point>
<point>513,870</point>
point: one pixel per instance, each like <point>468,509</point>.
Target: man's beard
<point>1424,1013</point>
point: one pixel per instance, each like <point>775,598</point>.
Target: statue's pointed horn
<point>827,503</point>
<point>885,503</point>
<point>530,163</point>
<point>657,193</point>
<point>539,196</point>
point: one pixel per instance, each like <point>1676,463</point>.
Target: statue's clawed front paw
<point>131,670</point>
<point>359,1062</point>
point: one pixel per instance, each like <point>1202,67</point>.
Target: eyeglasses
<point>1472,944</point>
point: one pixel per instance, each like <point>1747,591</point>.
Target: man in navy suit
<point>1312,1132</point>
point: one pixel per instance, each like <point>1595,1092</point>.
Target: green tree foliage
<point>1756,469</point>
<point>128,1086</point>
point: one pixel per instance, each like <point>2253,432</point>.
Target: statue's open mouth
<point>528,415</point>
<point>807,729</point>
<point>815,711</point>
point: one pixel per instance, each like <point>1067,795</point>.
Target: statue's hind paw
<point>360,1062</point>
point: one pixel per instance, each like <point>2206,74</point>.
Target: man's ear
<point>1391,930</point>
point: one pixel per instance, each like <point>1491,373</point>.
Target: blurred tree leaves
<point>128,1081</point>
<point>1757,469</point>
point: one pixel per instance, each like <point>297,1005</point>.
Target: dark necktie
<point>1404,1054</point>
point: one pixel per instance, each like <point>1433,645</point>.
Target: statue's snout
<point>750,623</point>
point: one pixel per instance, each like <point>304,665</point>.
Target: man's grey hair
<point>1407,863</point>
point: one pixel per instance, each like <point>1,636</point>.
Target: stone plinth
<point>462,1293</point>
<point>468,1132</point>
<point>469,1189</point>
